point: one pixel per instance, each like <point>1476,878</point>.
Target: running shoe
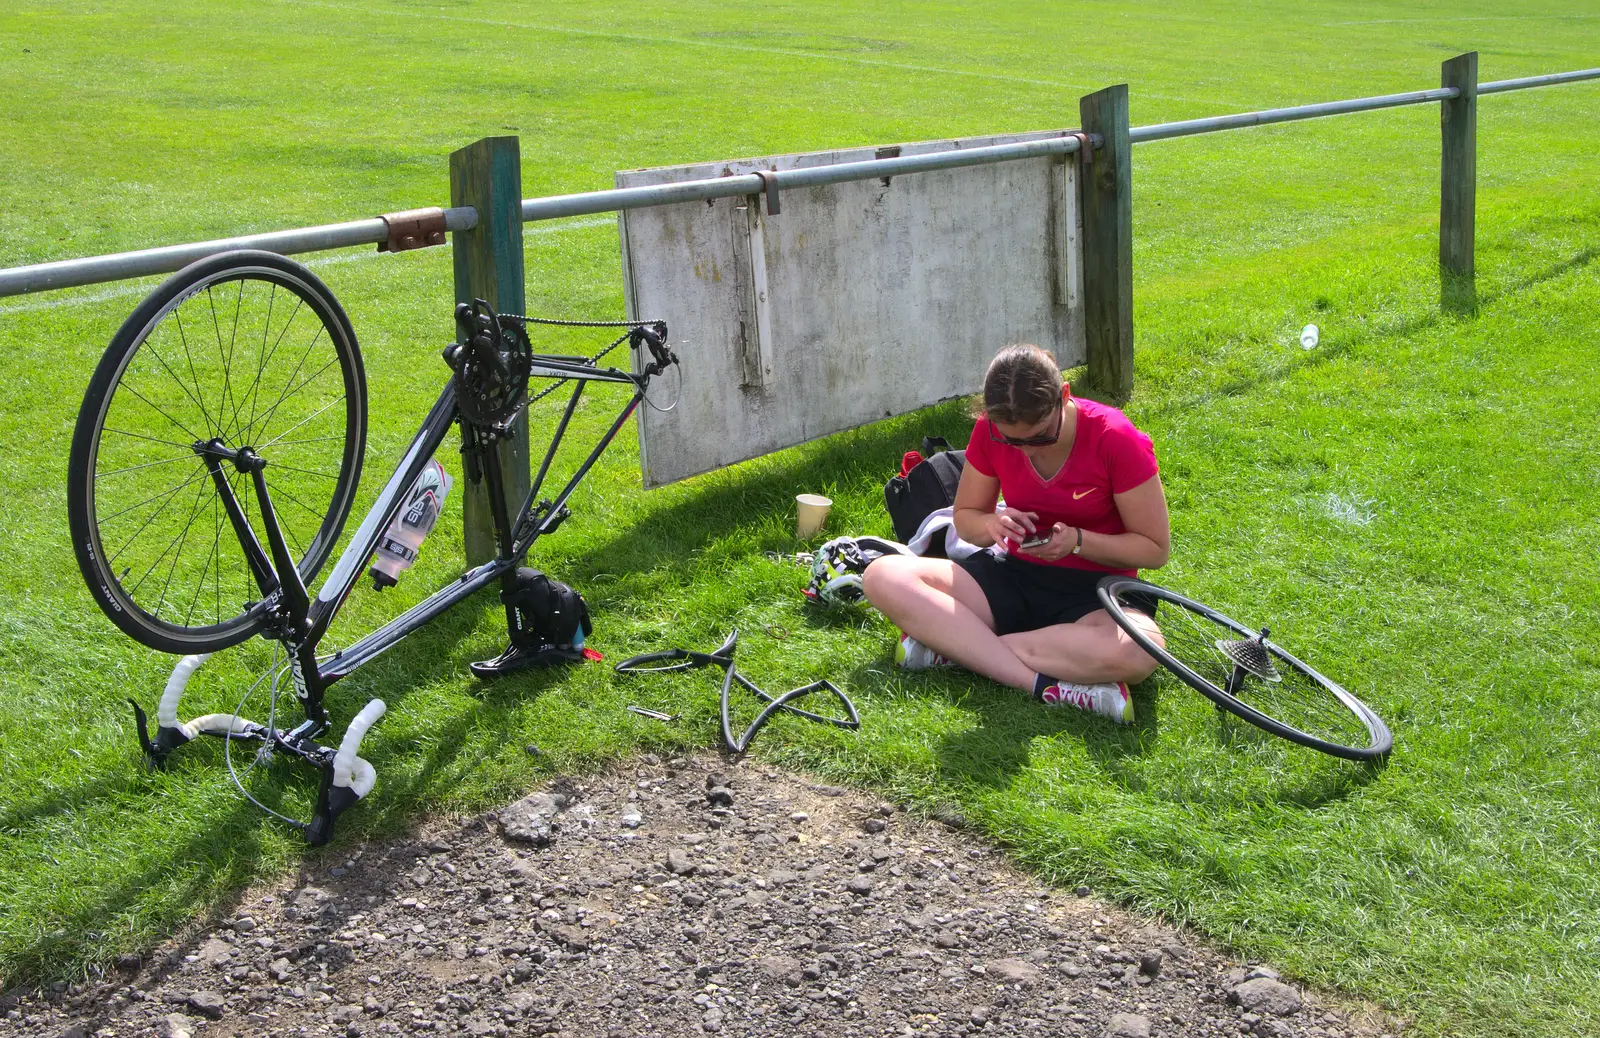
<point>913,655</point>
<point>1108,700</point>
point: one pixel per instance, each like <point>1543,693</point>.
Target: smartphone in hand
<point>1039,537</point>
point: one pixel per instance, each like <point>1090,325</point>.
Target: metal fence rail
<point>589,202</point>
<point>41,277</point>
<point>1502,85</point>
<point>118,266</point>
<point>1190,127</point>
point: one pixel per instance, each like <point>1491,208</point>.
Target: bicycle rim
<point>1274,690</point>
<point>247,350</point>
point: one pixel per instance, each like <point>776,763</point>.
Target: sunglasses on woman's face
<point>1042,440</point>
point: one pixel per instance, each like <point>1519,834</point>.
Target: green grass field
<point>1414,502</point>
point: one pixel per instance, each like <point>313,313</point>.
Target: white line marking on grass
<point>721,45</point>
<point>1468,18</point>
<point>35,305</point>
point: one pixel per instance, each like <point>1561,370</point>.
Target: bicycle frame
<point>293,618</point>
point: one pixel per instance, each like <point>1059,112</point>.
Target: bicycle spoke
<point>153,439</point>
<point>135,468</point>
<point>205,412</point>
<point>202,474</point>
<point>255,387</point>
<point>278,491</point>
<point>168,417</point>
<point>157,562</point>
<point>266,419</point>
<point>303,421</point>
<point>216,541</point>
<point>147,345</point>
<point>261,360</point>
<point>296,443</point>
<point>145,525</point>
<point>194,514</point>
<point>226,395</point>
<point>309,472</point>
<point>293,374</point>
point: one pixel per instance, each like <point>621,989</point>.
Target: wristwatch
<point>1076,548</point>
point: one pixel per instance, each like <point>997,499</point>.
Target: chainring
<point>484,395</point>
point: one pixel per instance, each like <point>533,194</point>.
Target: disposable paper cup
<point>813,512</point>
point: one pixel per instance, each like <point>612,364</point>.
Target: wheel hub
<point>1250,654</point>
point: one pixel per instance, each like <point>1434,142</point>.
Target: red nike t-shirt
<point>1109,456</point>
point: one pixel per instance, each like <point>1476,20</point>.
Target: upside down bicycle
<point>233,400</point>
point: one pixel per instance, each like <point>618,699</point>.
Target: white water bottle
<point>397,548</point>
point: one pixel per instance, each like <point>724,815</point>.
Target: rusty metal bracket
<point>413,229</point>
<point>1086,143</point>
<point>769,181</point>
<point>891,152</point>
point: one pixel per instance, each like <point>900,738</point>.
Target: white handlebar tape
<point>362,778</point>
<point>346,761</point>
<point>167,711</point>
<point>216,724</point>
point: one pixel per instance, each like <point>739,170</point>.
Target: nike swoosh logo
<point>1077,496</point>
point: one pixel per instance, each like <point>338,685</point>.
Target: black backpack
<point>547,613</point>
<point>923,487</point>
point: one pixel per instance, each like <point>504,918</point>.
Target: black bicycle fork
<point>285,607</point>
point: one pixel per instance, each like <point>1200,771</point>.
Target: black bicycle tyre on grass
<point>1325,718</point>
<point>186,367</point>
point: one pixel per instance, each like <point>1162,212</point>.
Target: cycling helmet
<point>837,566</point>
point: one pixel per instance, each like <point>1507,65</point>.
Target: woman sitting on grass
<point>1074,471</point>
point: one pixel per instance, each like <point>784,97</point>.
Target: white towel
<point>941,523</point>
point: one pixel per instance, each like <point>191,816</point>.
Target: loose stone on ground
<point>681,897</point>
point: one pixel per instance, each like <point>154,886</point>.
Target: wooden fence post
<point>1107,196</point>
<point>1458,184</point>
<point>487,175</point>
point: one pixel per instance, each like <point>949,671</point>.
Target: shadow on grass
<point>998,748</point>
<point>665,540</point>
<point>429,654</point>
<point>226,853</point>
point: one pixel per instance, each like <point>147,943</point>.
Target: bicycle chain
<point>559,323</point>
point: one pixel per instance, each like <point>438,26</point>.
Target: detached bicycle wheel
<point>242,349</point>
<point>1247,674</point>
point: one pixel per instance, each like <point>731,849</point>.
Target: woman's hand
<point>1063,539</point>
<point>1010,523</point>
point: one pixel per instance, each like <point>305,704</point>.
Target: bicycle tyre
<point>1304,706</point>
<point>163,402</point>
<point>668,662</point>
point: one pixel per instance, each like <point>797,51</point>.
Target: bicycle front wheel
<point>243,349</point>
<point>1247,674</point>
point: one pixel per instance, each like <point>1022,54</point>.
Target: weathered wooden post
<point>1107,197</point>
<point>1458,184</point>
<point>487,175</point>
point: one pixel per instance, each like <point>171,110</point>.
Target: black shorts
<point>1025,596</point>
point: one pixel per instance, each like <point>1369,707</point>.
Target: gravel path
<point>683,898</point>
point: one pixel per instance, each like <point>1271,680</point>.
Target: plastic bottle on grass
<point>1308,337</point>
<point>397,548</point>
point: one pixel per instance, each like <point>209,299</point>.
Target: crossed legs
<point>940,605</point>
